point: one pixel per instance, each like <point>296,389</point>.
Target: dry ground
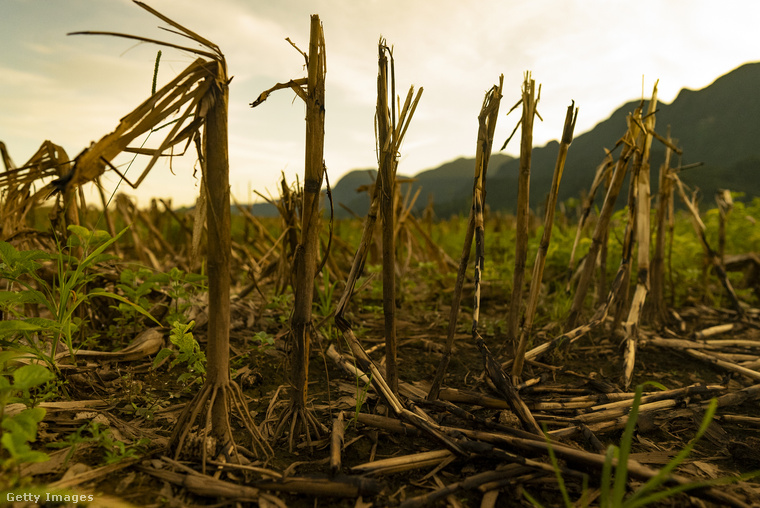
<point>138,402</point>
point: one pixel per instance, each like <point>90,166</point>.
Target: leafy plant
<point>280,306</point>
<point>265,340</point>
<point>180,287</point>
<point>136,285</point>
<point>325,294</point>
<point>17,431</point>
<point>61,297</point>
<point>361,396</point>
<point>94,432</point>
<point>189,353</point>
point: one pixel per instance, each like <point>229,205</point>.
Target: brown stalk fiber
<point>538,266</point>
<point>204,86</point>
<point>529,101</point>
<point>656,307</point>
<point>642,208</point>
<point>312,90</point>
<point>387,181</point>
<point>600,230</point>
<point>189,87</point>
<point>714,258</point>
<point>489,113</point>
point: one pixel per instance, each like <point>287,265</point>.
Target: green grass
<point>614,480</point>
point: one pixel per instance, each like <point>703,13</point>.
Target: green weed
<point>325,294</point>
<point>188,353</point>
<point>614,486</point>
<point>180,287</point>
<point>94,432</point>
<point>136,285</point>
<point>17,431</point>
<point>62,297</point>
<point>265,340</point>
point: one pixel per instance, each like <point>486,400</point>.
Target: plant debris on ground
<point>163,358</point>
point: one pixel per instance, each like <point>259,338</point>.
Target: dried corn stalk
<point>389,137</point>
<point>530,98</point>
<point>385,119</point>
<point>538,266</point>
<point>710,253</point>
<point>182,96</point>
<point>600,230</point>
<point>656,302</point>
<point>640,186</point>
<point>18,189</point>
<point>312,90</point>
<point>487,118</point>
<point>203,87</point>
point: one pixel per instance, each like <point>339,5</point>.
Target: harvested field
<point>161,357</point>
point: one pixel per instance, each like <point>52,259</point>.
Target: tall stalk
<point>529,101</point>
<point>203,88</point>
<point>385,119</point>
<point>489,113</point>
<point>642,205</point>
<point>600,230</point>
<point>219,391</point>
<point>711,255</point>
<point>601,176</point>
<point>656,305</point>
<point>543,248</point>
<point>312,90</point>
<point>219,251</point>
<point>307,251</point>
<point>387,154</point>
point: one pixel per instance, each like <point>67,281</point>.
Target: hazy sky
<point>73,90</point>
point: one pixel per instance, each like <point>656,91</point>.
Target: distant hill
<point>718,126</point>
<point>450,185</point>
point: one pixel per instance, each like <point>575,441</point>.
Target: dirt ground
<point>139,402</point>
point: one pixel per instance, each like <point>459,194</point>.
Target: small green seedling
<point>19,430</point>
<point>189,353</point>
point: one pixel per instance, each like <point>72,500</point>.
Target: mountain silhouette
<point>718,126</point>
<point>450,185</point>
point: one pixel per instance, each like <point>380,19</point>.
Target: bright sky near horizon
<point>73,90</point>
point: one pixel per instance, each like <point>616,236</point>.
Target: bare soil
<point>142,402</point>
